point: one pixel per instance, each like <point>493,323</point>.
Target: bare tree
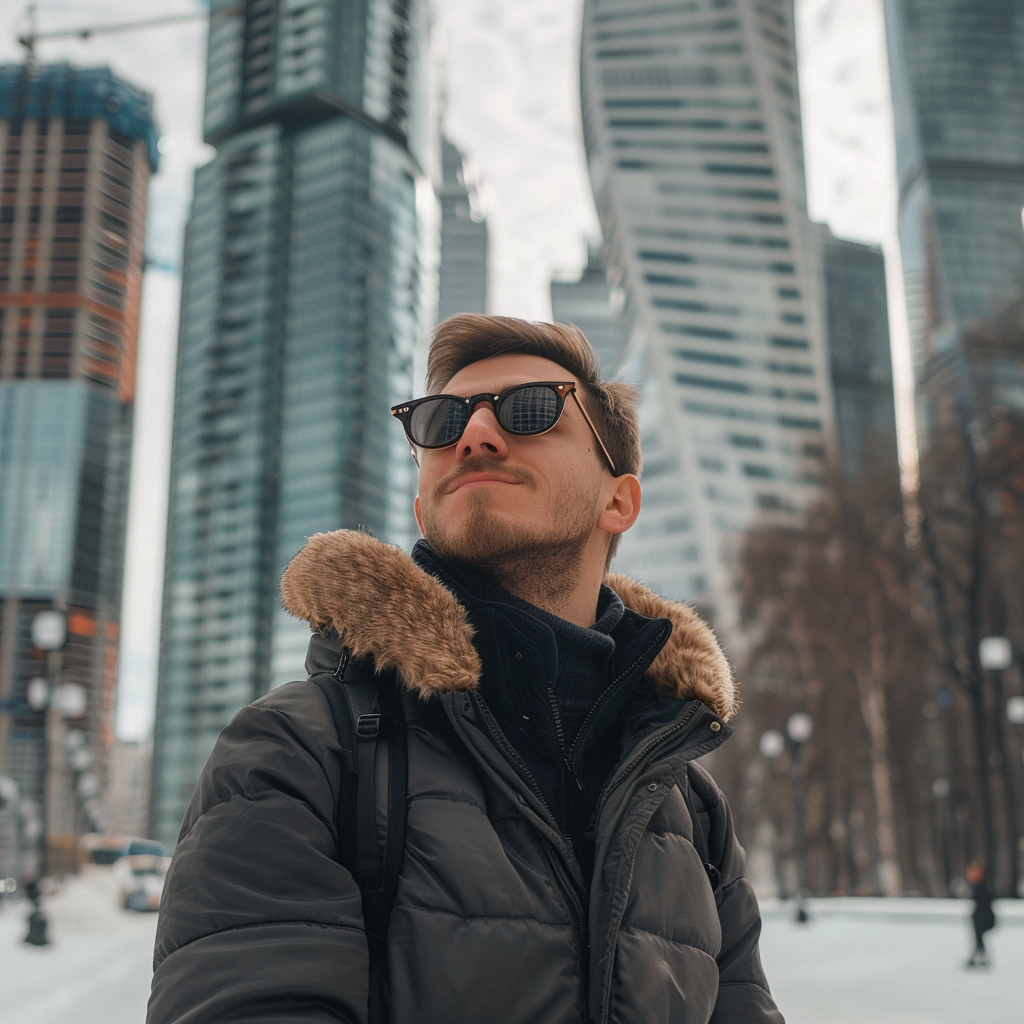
<point>836,630</point>
<point>971,502</point>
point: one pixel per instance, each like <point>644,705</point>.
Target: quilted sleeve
<point>743,995</point>
<point>259,922</point>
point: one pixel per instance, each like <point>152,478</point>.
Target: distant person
<point>983,917</point>
<point>564,858</point>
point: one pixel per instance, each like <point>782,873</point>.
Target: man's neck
<point>576,604</point>
<point>564,582</point>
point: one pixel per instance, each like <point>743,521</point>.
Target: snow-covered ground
<point>857,962</point>
<point>865,961</point>
<point>96,970</point>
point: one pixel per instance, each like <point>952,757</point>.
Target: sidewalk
<point>96,970</point>
<point>900,961</point>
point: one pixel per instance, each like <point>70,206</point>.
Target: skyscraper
<point>691,119</point>
<point>310,265</point>
<point>957,72</point>
<point>77,148</point>
<point>463,272</point>
<point>588,301</point>
<point>859,357</point>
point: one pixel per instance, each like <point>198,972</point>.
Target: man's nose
<point>483,435</point>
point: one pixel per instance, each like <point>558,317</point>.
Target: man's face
<point>494,496</point>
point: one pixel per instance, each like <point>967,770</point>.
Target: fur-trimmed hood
<point>383,604</point>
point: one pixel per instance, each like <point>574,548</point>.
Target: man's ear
<point>622,505</point>
<point>419,515</point>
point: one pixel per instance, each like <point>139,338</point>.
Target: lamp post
<point>49,631</point>
<point>1015,716</point>
<point>996,655</point>
<point>799,729</point>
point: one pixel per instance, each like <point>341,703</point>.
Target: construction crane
<point>31,37</point>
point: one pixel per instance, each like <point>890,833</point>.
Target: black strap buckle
<point>368,726</point>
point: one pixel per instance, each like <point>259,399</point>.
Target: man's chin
<point>481,538</point>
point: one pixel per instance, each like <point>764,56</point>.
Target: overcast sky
<point>512,103</point>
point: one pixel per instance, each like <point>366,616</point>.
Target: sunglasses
<point>438,421</point>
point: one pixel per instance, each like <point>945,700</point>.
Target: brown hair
<point>469,337</point>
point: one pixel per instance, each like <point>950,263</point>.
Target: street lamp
<point>49,631</point>
<point>772,744</point>
<point>995,654</point>
<point>799,729</point>
<point>1015,711</point>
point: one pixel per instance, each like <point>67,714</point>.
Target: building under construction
<point>77,148</point>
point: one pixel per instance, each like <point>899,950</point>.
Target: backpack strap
<point>371,831</point>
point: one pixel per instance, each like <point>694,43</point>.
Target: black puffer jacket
<point>261,923</point>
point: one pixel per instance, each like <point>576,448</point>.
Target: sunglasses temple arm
<point>590,423</point>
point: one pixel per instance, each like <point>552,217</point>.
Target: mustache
<point>481,464</point>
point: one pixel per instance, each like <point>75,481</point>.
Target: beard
<point>538,562</point>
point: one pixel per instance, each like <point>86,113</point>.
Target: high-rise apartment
<point>463,270</point>
<point>77,148</point>
<point>309,277</point>
<point>587,300</point>
<point>859,358</point>
<point>691,119</point>
<point>957,72</point>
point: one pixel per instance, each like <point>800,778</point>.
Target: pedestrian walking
<point>483,803</point>
<point>983,917</point>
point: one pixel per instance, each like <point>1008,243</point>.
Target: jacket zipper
<point>596,706</point>
<point>560,734</point>
<point>626,770</point>
<point>568,890</point>
<point>643,752</point>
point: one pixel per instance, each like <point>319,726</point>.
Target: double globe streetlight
<point>799,729</point>
<point>70,701</point>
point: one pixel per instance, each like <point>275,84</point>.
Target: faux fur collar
<point>383,604</point>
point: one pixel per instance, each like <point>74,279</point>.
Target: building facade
<point>464,269</point>
<point>77,148</point>
<point>957,73</point>
<point>309,278</point>
<point>587,300</point>
<point>859,358</point>
<point>692,127</point>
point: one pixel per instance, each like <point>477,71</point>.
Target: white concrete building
<point>692,127</point>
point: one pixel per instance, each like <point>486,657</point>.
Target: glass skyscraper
<point>463,271</point>
<point>957,71</point>
<point>310,263</point>
<point>691,119</point>
<point>77,148</point>
<point>860,358</point>
<point>588,301</point>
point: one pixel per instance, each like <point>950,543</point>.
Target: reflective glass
<point>530,411</point>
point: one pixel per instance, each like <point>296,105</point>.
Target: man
<point>564,859</point>
<point>983,917</point>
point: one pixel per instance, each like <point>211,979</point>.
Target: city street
<point>96,970</point>
<point>858,962</point>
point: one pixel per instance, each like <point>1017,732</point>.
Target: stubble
<point>541,562</point>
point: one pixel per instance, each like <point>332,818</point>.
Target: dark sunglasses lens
<point>530,411</point>
<point>437,423</point>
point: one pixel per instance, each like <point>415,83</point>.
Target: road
<point>857,962</point>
